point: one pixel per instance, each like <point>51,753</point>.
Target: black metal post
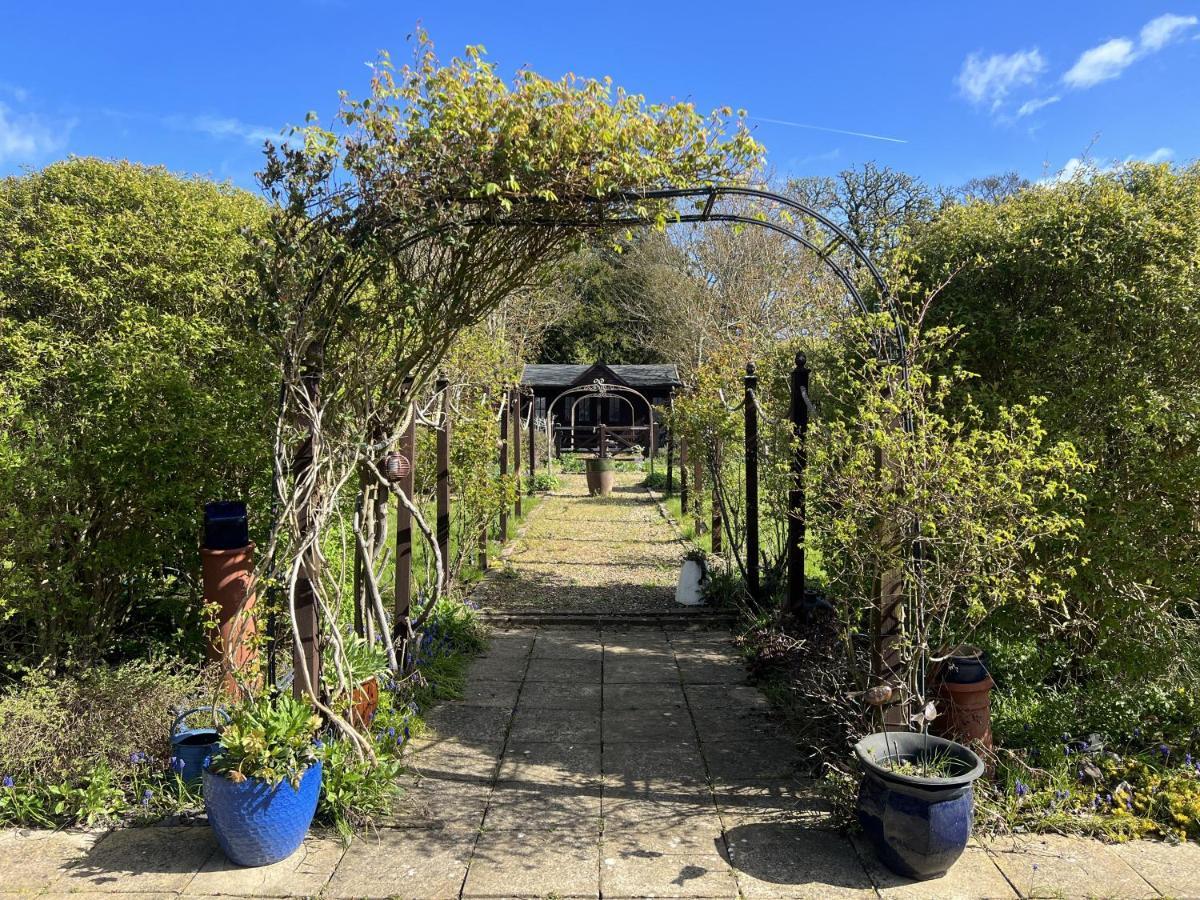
<point>671,449</point>
<point>683,479</point>
<point>751,410</point>
<point>443,482</point>
<point>516,436</point>
<point>504,406</point>
<point>796,499</point>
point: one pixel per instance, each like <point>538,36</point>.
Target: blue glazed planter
<point>917,826</point>
<point>257,824</point>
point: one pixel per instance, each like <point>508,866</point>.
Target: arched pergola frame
<point>598,388</point>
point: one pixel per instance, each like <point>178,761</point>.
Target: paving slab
<point>582,645</point>
<point>974,876</point>
<point>535,724</point>
<point>487,692</point>
<point>557,695</point>
<point>717,698</point>
<point>454,761</point>
<point>32,859</point>
<point>658,726</point>
<point>1172,870</point>
<point>574,671</point>
<point>1055,866</point>
<point>439,802</point>
<point>630,871</point>
<point>412,863</point>
<point>736,724</point>
<point>633,762</point>
<point>643,696</point>
<point>498,668</point>
<point>750,760</point>
<point>670,828</point>
<point>560,863</point>
<point>476,725</point>
<point>140,860</point>
<point>304,873</point>
<point>653,670</point>
<point>559,763</point>
<point>521,807</point>
<point>795,861</point>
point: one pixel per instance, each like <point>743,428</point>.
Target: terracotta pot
<point>227,575</point>
<point>600,474</point>
<point>966,711</point>
<point>365,701</point>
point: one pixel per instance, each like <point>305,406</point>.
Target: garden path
<point>600,760</point>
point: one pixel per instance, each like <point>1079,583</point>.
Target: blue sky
<point>947,90</point>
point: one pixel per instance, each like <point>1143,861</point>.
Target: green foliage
<point>94,746</point>
<point>1084,293</point>
<point>269,738</point>
<point>656,480</point>
<point>543,482</point>
<point>360,661</point>
<point>134,386</point>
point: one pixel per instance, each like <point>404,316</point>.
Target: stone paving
<point>593,762</point>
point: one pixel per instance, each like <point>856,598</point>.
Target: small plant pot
<point>365,701</point>
<point>257,824</point>
<point>965,665</point>
<point>600,474</point>
<point>918,826</point>
<point>690,589</point>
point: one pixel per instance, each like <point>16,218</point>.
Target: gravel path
<point>582,554</point>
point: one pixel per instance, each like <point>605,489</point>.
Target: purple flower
<point>146,796</point>
<point>8,781</point>
<point>177,764</point>
<point>1022,788</point>
<point>1164,750</point>
<point>391,732</point>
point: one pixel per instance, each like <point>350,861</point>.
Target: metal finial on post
<point>796,498</point>
<point>751,412</point>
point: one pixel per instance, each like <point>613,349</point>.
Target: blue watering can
<point>191,746</point>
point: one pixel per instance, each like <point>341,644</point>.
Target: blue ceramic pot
<point>917,826</point>
<point>257,824</point>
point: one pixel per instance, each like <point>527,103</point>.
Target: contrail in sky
<point>862,134</point>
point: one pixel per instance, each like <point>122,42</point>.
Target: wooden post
<point>402,590</point>
<point>716,499</point>
<point>603,450</point>
<point>504,465</point>
<point>683,478</point>
<point>516,426</point>
<point>697,486</point>
<point>306,656</point>
<point>443,481</point>
<point>751,411</point>
<point>796,499</point>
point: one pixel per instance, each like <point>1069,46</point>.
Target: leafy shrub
<point>93,746</point>
<point>269,738</point>
<point>135,384</point>
<point>1085,294</point>
<point>544,482</point>
<point>656,480</point>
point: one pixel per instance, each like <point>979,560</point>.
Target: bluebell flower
<point>1137,732</point>
<point>177,764</point>
<point>146,796</point>
<point>1187,759</point>
<point>391,732</point>
<point>8,781</point>
<point>1022,788</point>
<point>1164,750</point>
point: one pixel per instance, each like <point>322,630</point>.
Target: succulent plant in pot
<point>261,786</point>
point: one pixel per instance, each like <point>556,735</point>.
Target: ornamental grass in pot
<point>353,686</point>
<point>262,785</point>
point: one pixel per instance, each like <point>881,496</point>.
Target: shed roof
<point>565,375</point>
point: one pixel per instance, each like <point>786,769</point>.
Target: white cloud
<point>224,127</point>
<point>1110,59</point>
<point>1161,155</point>
<point>1029,107</point>
<point>989,80</point>
<point>1101,63</point>
<point>1086,167</point>
<point>27,138</point>
<point>1157,33</point>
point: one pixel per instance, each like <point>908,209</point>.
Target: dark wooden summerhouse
<point>587,401</point>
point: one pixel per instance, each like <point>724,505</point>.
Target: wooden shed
<point>579,399</point>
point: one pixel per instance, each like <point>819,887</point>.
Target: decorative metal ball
<point>878,695</point>
<point>396,466</point>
